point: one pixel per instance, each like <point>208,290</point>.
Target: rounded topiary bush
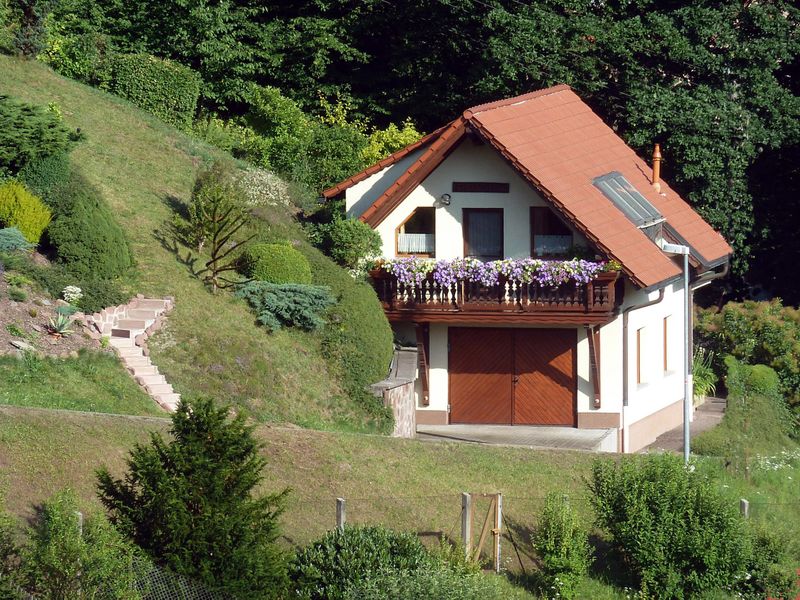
<point>329,567</point>
<point>276,263</point>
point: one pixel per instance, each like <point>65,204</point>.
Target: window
<point>416,235</point>
<point>483,233</point>
<point>639,371</point>
<point>628,199</point>
<point>549,235</point>
<point>666,343</point>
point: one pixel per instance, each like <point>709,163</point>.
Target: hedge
<point>276,263</point>
<point>358,340</point>
<point>21,209</point>
<point>163,88</point>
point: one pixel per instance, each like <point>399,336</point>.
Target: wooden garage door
<point>544,366</point>
<point>480,375</point>
<point>512,376</point>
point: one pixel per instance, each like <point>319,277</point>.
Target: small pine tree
<point>190,504</point>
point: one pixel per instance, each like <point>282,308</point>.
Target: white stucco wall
<point>658,388</point>
<point>468,162</point>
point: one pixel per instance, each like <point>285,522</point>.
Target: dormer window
<point>416,235</point>
<point>549,235</point>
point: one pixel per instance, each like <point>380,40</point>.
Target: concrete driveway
<point>560,438</point>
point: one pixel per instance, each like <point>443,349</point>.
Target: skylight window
<point>628,199</point>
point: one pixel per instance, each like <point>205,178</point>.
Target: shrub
<point>358,340</point>
<point>17,295</point>
<point>284,126</point>
<point>276,263</point>
<point>6,36</point>
<point>703,377</point>
<point>333,154</point>
<point>43,175</point>
<point>765,333</point>
<point>757,418</point>
<point>63,561</point>
<point>262,188</point>
<point>79,56</point>
<point>21,209</point>
<point>563,548</point>
<point>431,584</point>
<point>11,239</point>
<point>207,523</point>
<point>342,558</point>
<point>347,241</point>
<point>383,142</point>
<point>30,35</point>
<point>679,536</point>
<point>29,132</point>
<point>84,234</point>
<point>291,305</point>
<point>163,88</point>
<point>97,293</point>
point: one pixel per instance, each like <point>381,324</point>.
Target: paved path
<point>707,415</point>
<point>562,438</point>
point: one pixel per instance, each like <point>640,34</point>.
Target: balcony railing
<point>594,302</point>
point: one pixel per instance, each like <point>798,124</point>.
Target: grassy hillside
<point>210,344</point>
<point>405,484</point>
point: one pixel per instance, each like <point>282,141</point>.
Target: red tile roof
<point>557,143</point>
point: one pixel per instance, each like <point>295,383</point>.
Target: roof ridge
<point>387,161</point>
<point>515,100</point>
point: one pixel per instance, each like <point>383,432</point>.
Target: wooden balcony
<point>507,302</point>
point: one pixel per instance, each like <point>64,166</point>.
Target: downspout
<point>625,314</point>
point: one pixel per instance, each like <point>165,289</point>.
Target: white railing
<point>416,243</point>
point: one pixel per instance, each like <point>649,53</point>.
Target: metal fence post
<point>79,514</point>
<point>744,508</point>
<point>340,514</point>
<point>466,523</point>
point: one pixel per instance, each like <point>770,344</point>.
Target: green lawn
<point>210,344</point>
<point>404,484</point>
<point>94,382</point>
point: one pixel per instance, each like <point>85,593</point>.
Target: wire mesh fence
<point>156,583</point>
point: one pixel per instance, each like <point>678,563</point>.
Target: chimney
<point>657,168</point>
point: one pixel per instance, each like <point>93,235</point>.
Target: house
<point>537,176</point>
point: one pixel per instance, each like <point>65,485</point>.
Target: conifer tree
<point>190,503</point>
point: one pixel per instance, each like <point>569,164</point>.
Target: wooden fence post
<point>340,514</point>
<point>498,521</point>
<point>744,508</point>
<point>466,522</point>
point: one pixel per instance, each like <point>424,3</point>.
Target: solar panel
<point>628,199</point>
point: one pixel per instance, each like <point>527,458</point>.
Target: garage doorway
<point>512,376</point>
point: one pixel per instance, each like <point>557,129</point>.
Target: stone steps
<point>128,328</point>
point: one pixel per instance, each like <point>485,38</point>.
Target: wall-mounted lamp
<point>445,199</point>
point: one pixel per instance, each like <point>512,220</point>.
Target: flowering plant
<point>72,293</point>
<point>549,273</point>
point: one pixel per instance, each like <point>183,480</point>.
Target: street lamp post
<point>687,383</point>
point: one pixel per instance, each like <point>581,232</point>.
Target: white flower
<point>72,293</point>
